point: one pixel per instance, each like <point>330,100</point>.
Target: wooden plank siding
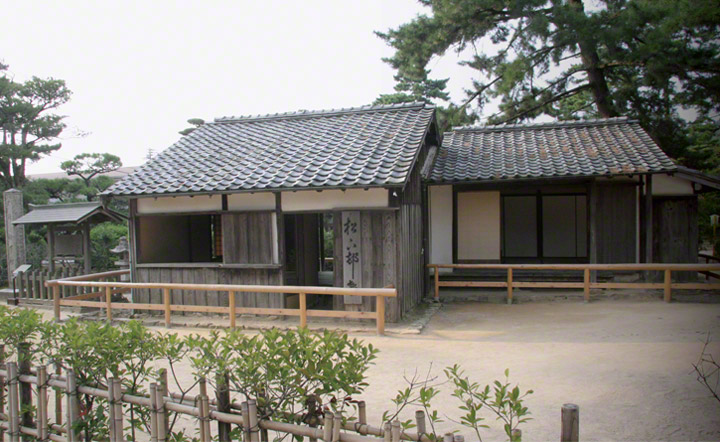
<point>614,215</point>
<point>211,275</point>
<point>675,232</point>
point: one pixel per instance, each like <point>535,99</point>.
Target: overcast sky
<point>139,70</point>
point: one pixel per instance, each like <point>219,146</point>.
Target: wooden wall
<point>209,275</point>
<point>248,238</point>
<point>675,231</point>
<point>614,209</point>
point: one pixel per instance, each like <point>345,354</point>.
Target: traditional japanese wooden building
<point>595,191</point>
<point>308,198</point>
<point>355,197</point>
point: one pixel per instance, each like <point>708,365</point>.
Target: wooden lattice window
<point>217,237</point>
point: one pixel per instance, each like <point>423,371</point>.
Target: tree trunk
<point>596,76</point>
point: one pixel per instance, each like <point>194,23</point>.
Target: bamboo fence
<point>587,284</point>
<point>17,422</point>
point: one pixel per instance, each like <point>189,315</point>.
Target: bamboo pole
<point>380,308</point>
<point>570,418</point>
<point>362,413</point>
<point>42,403</point>
<point>2,391</point>
<point>153,413</point>
<point>586,284</point>
<point>303,310</point>
<point>13,405</point>
<point>449,437</point>
<point>113,412</point>
<point>233,314</point>
<point>25,388</point>
<point>164,391</point>
<point>246,421</point>
<point>254,428</point>
<point>509,285</point>
<point>159,404</point>
<point>387,433</point>
<point>222,395</point>
<point>667,295</point>
<point>166,303</point>
<point>420,422</point>
<point>395,431</point>
<point>58,398</point>
<point>117,391</point>
<point>72,406</point>
<point>205,435</point>
<point>337,426</point>
<point>328,427</point>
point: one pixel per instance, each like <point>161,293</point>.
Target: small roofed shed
<point>598,191</point>
<point>306,198</point>
<point>68,228</point>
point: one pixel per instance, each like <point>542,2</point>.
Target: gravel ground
<point>627,364</point>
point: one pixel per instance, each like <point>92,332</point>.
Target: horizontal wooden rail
<point>108,288</point>
<point>667,285</point>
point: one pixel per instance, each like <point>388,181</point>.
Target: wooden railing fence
<point>99,288</point>
<point>31,284</point>
<point>709,258</point>
<point>587,284</point>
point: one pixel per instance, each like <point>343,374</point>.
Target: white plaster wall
<point>441,213</point>
<point>478,225</point>
<point>311,200</point>
<point>251,201</point>
<point>201,203</point>
<point>666,185</point>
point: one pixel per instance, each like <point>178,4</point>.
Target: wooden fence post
<point>668,285</point>
<point>164,391</point>
<point>231,304</point>
<point>420,423</point>
<point>108,303</point>
<point>570,416</point>
<point>2,391</point>
<point>56,302</point>
<point>112,411</point>
<point>328,427</point>
<point>166,304</point>
<point>58,398</point>
<point>13,405</point>
<point>25,388</point>
<point>586,284</point>
<point>42,403</point>
<point>205,435</point>
<point>303,310</point>
<point>509,285</point>
<point>380,309</point>
<point>437,283</point>
<point>118,410</point>
<point>253,416</point>
<point>73,412</point>
<point>222,394</point>
<point>153,413</point>
<point>362,413</point>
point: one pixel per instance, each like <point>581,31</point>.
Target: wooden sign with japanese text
<point>351,254</point>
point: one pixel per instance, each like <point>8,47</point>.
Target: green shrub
<point>103,238</point>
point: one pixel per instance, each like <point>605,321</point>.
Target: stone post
<point>14,234</point>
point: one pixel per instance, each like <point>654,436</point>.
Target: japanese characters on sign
<point>351,254</point>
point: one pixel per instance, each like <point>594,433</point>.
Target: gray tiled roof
<point>65,213</point>
<point>357,147</point>
<point>605,147</point>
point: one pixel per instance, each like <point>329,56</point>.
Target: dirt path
<point>626,364</point>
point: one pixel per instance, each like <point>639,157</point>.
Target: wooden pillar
<point>14,234</point>
<point>51,246</point>
<point>86,246</point>
<point>648,221</point>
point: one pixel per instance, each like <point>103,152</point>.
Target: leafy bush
<point>103,238</point>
